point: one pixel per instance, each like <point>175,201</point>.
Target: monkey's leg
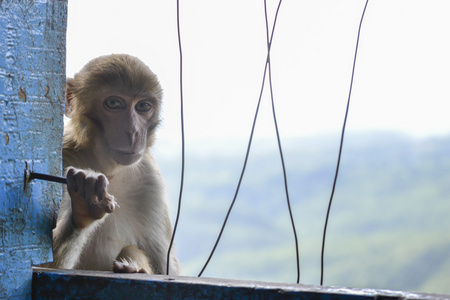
<point>132,260</point>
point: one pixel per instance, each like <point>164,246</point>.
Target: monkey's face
<point>125,122</point>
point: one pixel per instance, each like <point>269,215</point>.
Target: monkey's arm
<point>69,241</point>
<point>85,204</point>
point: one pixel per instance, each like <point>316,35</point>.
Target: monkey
<point>114,214</point>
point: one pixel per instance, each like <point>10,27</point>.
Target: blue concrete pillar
<point>32,80</point>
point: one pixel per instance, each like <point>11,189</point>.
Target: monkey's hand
<point>89,196</point>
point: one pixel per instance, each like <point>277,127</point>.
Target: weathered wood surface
<point>73,284</point>
<point>32,80</point>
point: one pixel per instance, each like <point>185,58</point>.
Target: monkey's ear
<point>69,97</point>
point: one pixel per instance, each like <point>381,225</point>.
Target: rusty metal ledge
<point>75,284</point>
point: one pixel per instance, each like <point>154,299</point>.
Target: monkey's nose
<point>131,138</point>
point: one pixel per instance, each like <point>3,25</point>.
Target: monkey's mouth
<point>129,153</point>
<point>126,152</point>
<point>127,157</point>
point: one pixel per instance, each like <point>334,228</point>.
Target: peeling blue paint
<point>32,80</point>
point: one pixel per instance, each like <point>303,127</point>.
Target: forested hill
<point>390,218</point>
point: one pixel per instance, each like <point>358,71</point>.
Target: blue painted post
<point>32,80</point>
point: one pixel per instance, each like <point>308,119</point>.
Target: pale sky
<point>402,79</point>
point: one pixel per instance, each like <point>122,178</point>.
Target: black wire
<point>246,155</point>
<point>182,138</point>
<point>278,138</point>
<point>340,147</point>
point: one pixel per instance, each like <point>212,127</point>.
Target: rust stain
<point>47,91</point>
<point>6,139</point>
<point>22,95</point>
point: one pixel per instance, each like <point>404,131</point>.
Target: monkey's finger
<point>120,267</point>
<point>100,187</point>
<point>89,191</point>
<point>71,180</point>
<point>110,203</point>
<point>106,200</point>
<point>80,178</point>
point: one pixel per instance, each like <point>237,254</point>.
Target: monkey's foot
<point>126,266</point>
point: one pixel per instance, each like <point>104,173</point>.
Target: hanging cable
<point>340,148</point>
<point>182,138</point>
<point>269,43</point>
<point>246,155</point>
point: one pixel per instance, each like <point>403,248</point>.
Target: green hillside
<point>389,225</point>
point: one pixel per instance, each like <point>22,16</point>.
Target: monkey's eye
<point>113,103</point>
<point>144,106</point>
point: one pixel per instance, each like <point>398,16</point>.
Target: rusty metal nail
<point>28,176</point>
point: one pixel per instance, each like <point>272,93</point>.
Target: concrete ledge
<point>75,284</point>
